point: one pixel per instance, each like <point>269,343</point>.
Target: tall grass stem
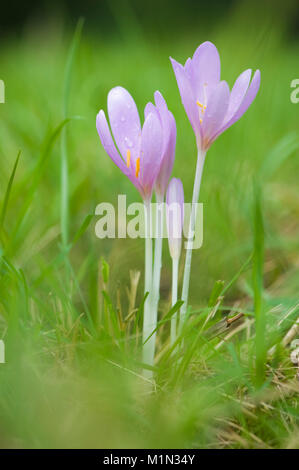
<point>64,176</point>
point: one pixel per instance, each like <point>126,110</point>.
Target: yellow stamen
<point>137,167</point>
<point>202,106</point>
<point>128,157</point>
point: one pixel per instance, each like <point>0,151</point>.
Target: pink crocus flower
<point>143,152</point>
<point>210,106</point>
<point>167,120</point>
<point>145,155</point>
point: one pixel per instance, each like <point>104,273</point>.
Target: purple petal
<point>107,141</point>
<point>175,215</point>
<point>250,96</point>
<point>206,69</point>
<point>109,146</point>
<point>169,139</point>
<point>168,158</point>
<point>150,108</point>
<point>124,121</point>
<point>187,96</point>
<point>164,116</point>
<point>246,102</point>
<point>188,67</point>
<point>237,94</point>
<point>151,153</point>
<point>215,112</point>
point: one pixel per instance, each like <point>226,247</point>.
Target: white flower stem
<point>147,321</point>
<point>198,173</point>
<point>157,266</point>
<point>175,273</point>
<point>155,291</point>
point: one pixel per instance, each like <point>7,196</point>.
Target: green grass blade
<point>64,203</point>
<point>167,318</point>
<point>8,190</point>
<point>257,275</point>
<point>82,229</point>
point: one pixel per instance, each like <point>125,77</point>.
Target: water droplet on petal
<point>122,118</point>
<point>128,142</point>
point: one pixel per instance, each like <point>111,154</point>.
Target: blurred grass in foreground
<point>72,372</point>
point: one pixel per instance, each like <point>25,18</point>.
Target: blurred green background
<point>52,393</point>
